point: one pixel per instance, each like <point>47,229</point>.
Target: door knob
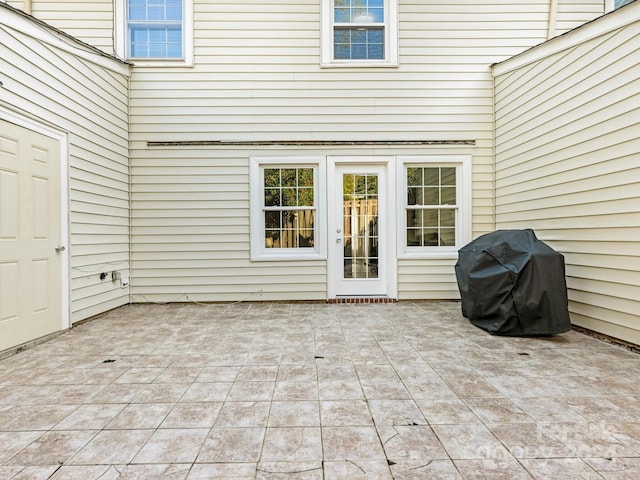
<point>60,248</point>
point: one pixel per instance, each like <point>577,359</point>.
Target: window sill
<point>363,64</point>
<point>161,63</point>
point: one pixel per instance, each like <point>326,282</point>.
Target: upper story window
<point>359,33</point>
<point>154,31</point>
<point>615,4</point>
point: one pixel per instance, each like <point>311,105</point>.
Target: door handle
<point>60,248</point>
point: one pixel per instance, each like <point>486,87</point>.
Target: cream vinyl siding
<point>89,102</point>
<point>90,21</point>
<point>567,143</point>
<point>427,279</point>
<point>572,14</point>
<point>257,77</point>
<point>190,233</point>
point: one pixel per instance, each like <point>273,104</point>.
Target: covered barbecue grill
<point>511,283</point>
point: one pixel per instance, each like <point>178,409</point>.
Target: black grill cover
<point>511,283</point>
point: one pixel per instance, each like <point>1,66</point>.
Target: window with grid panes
<point>431,206</point>
<point>155,29</point>
<point>289,207</point>
<point>361,32</point>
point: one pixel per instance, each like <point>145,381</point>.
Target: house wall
<point>67,86</point>
<point>190,232</point>
<point>257,77</point>
<point>90,21</point>
<point>572,14</point>
<point>567,163</point>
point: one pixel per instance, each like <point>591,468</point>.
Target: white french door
<point>361,253</point>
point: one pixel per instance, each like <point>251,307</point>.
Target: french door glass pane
<point>360,225</point>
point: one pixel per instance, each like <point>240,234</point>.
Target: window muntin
<point>289,212</point>
<point>359,11</point>
<point>155,29</point>
<point>360,225</point>
<point>434,198</point>
<point>359,32</point>
<point>154,32</point>
<point>431,206</point>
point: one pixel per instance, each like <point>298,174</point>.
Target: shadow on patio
<point>315,391</point>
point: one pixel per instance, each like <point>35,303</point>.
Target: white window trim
<point>120,38</point>
<point>610,6</point>
<point>463,201</point>
<point>258,251</point>
<point>391,39</point>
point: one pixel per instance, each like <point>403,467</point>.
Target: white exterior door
<point>361,253</point>
<point>30,235</point>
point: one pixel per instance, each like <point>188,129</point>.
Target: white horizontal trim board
<point>567,137</point>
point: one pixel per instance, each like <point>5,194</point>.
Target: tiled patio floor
<point>316,391</point>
